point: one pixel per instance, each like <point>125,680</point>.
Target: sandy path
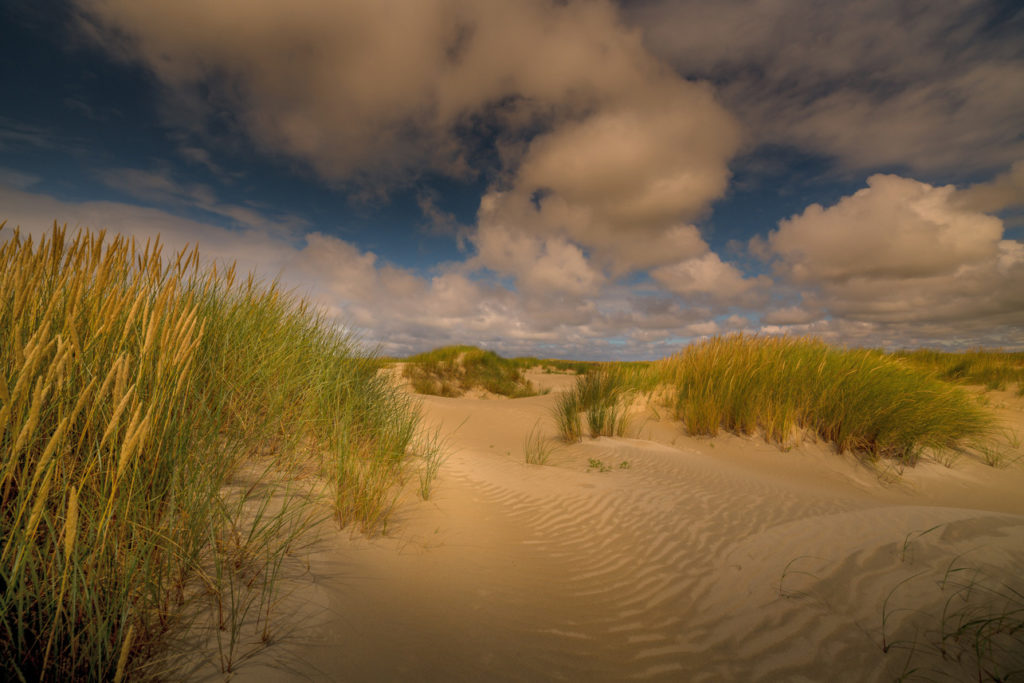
<point>703,560</point>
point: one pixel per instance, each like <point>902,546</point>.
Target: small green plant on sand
<point>951,619</point>
<point>598,465</point>
<point>432,448</point>
<point>537,448</point>
<point>978,634</point>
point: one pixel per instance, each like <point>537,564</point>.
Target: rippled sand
<point>723,559</point>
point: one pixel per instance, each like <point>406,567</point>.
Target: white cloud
<point>707,275</point>
<point>907,261</point>
<point>790,315</point>
<point>638,164</point>
<point>896,228</point>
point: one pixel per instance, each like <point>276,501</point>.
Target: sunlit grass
<point>864,401</point>
<point>858,400</point>
<point>600,396</point>
<point>132,389</point>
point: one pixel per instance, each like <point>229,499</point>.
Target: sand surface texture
<point>697,559</point>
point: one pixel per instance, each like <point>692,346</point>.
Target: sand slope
<point>721,559</point>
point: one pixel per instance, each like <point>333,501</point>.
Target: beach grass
<point>601,396</point>
<point>453,370</point>
<point>133,388</point>
<point>537,449</point>
<point>859,400</point>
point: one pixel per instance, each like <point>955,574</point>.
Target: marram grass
<point>601,396</point>
<point>858,400</point>
<point>131,388</point>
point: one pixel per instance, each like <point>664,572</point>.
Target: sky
<point>556,178</point>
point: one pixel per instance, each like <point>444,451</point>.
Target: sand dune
<point>722,559</point>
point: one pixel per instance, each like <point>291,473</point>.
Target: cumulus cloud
<point>621,182</point>
<point>905,259</point>
<point>928,86</point>
<point>707,275</point>
<point>895,227</point>
<point>514,216</point>
<point>656,158</point>
<point>603,152</point>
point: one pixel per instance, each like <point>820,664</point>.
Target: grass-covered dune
<point>863,401</point>
<point>991,369</point>
<point>453,370</point>
<point>132,387</point>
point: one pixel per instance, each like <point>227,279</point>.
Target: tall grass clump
<point>132,388</point>
<point>858,400</point>
<point>454,370</point>
<point>601,396</point>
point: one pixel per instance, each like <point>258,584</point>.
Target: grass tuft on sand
<point>601,396</point>
<point>132,389</point>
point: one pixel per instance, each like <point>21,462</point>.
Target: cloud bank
<point>602,150</point>
<point>907,262</point>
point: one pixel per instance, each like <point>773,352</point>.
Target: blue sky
<point>571,179</point>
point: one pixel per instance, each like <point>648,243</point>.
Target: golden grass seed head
<point>115,419</point>
<point>70,532</point>
<point>121,381</point>
<point>28,429</point>
<point>122,659</point>
<point>131,441</point>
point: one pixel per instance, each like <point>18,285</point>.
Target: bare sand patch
<point>688,559</point>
